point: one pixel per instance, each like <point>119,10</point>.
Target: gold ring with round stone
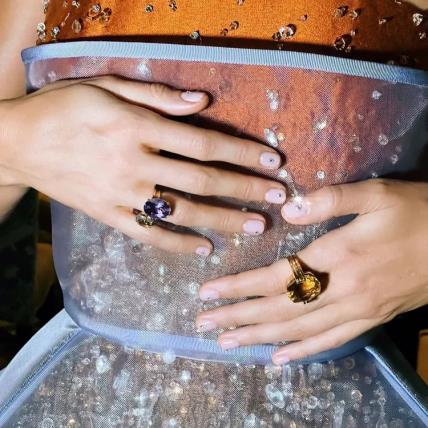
<point>304,286</point>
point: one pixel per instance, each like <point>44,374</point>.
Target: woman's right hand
<point>94,145</point>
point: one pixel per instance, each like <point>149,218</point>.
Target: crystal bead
<point>321,175</point>
<point>168,357</point>
<point>320,125</point>
<point>394,159</point>
<point>185,376</point>
<point>355,13</point>
<point>195,35</point>
<point>315,371</point>
<point>282,173</point>
<point>41,28</point>
<point>95,9</point>
<point>102,364</point>
<point>172,5</point>
<point>422,35</point>
<point>77,26</point>
<point>273,99</point>
<point>384,20</point>
<point>342,42</point>
<point>234,25</point>
<point>341,11</point>
<point>215,259</point>
<point>149,8</point>
<point>417,19</point>
<point>275,396</point>
<point>383,139</point>
<point>376,95</point>
<point>75,4</point>
<point>270,137</point>
<point>356,395</point>
<point>55,31</point>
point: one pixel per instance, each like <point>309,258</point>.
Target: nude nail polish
<point>296,208</point>
<point>192,97</point>
<point>254,227</point>
<point>270,160</point>
<point>206,325</point>
<point>203,251</point>
<point>228,344</point>
<point>208,294</point>
<point>275,196</point>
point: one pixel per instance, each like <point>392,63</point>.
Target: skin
<point>105,158</point>
<point>376,267</point>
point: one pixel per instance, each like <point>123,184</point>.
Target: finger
<point>338,200</point>
<point>188,213</point>
<point>123,220</point>
<point>271,280</point>
<point>254,311</point>
<point>208,181</point>
<point>305,326</point>
<point>325,341</point>
<point>208,145</point>
<point>154,96</point>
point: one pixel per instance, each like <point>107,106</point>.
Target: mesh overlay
<point>330,127</point>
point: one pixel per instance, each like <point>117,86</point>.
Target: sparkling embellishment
<point>215,259</point>
<point>383,140</point>
<point>341,11</point>
<point>195,35</point>
<point>417,19</point>
<point>172,5</point>
<point>55,31</point>
<point>157,208</point>
<point>41,31</point>
<point>45,6</point>
<point>275,396</point>
<point>384,20</point>
<point>355,13</point>
<point>77,26</point>
<point>102,364</point>
<point>376,95</point>
<point>149,8</point>
<point>321,175</point>
<point>273,99</point>
<point>394,159</point>
<point>168,357</point>
<point>75,4</point>
<point>282,173</point>
<point>342,43</point>
<point>320,125</point>
<point>355,141</point>
<point>303,18</point>
<point>422,35</point>
<point>95,9</point>
<point>271,137</point>
<point>237,240</point>
<point>288,31</point>
<point>234,25</point>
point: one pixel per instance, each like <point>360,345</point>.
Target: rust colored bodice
<point>387,30</point>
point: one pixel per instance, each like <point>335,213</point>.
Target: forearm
<point>18,21</point>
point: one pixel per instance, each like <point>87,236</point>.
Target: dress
<point>128,353</point>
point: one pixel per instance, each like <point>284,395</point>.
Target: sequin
<point>417,19</point>
<point>195,35</point>
<point>149,8</point>
<point>270,137</point>
<point>343,42</point>
<point>102,364</point>
<point>321,175</point>
<point>55,32</point>
<point>341,11</point>
<point>275,396</point>
<point>77,26</point>
<point>376,95</point>
<point>273,99</point>
<point>234,25</point>
<point>383,139</point>
<point>320,125</point>
<point>282,173</point>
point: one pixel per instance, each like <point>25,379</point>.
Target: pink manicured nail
<point>208,294</point>
<point>254,227</point>
<point>203,251</point>
<point>192,97</point>
<point>228,344</point>
<point>280,358</point>
<point>275,196</point>
<point>270,160</point>
<point>296,208</point>
<point>206,325</point>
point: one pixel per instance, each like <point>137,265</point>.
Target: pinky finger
<point>325,341</point>
<point>157,236</point>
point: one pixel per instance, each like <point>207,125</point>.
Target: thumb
<point>336,201</point>
<point>154,96</point>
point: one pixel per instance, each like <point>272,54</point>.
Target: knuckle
<point>201,146</point>
<point>240,154</point>
<point>225,222</point>
<point>202,182</point>
<point>183,212</point>
<point>247,190</point>
<point>157,90</point>
<point>334,196</point>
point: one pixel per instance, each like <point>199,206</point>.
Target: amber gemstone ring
<point>304,286</point>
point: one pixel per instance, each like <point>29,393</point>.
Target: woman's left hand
<point>377,267</point>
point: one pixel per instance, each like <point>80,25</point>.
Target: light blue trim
<point>32,363</point>
<point>225,55</point>
<point>399,385</point>
<point>198,348</point>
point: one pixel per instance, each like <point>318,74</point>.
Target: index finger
<point>207,145</point>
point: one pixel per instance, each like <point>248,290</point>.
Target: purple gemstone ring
<point>157,208</point>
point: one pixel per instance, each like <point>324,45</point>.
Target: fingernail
<point>298,207</point>
<point>206,325</point>
<point>280,359</point>
<point>254,227</point>
<point>203,251</point>
<point>228,344</point>
<point>270,160</point>
<point>192,97</point>
<point>208,294</point>
<point>275,196</point>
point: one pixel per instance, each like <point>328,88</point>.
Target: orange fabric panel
<point>384,29</point>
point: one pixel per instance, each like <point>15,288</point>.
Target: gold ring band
<point>304,286</point>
